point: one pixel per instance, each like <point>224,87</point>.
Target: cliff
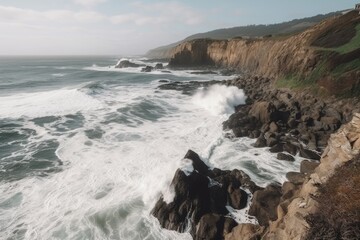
<point>284,28</point>
<point>320,55</point>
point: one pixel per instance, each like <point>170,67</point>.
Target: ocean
<point>87,149</point>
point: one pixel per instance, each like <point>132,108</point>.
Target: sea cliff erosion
<point>320,53</point>
<point>293,109</point>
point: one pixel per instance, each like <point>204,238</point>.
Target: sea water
<point>87,149</point>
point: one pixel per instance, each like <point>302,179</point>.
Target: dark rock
<point>295,177</point>
<point>285,157</point>
<point>262,111</point>
<point>290,148</point>
<point>198,164</point>
<point>264,204</point>
<point>260,142</point>
<point>305,153</point>
<point>307,167</point>
<point>211,226</point>
<point>163,81</point>
<point>229,224</point>
<point>147,69</point>
<point>127,64</point>
<point>288,190</point>
<point>279,147</point>
<point>159,66</point>
<point>237,197</point>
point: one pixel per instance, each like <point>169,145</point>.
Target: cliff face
<point>314,55</point>
<point>267,57</point>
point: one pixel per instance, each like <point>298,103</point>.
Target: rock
<point>307,167</point>
<point>237,197</point>
<point>305,153</point>
<point>290,148</point>
<point>264,204</point>
<point>279,147</point>
<point>127,64</point>
<point>159,66</point>
<point>288,190</point>
<point>285,157</point>
<point>214,227</point>
<point>262,111</point>
<point>211,226</point>
<point>245,231</point>
<point>260,142</point>
<point>273,127</point>
<point>203,72</point>
<point>147,69</point>
<point>163,81</point>
<point>295,177</point>
<point>198,164</point>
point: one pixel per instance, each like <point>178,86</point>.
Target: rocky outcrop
<point>297,202</point>
<point>127,64</point>
<point>201,197</point>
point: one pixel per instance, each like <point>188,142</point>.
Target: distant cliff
<point>327,54</point>
<point>251,31</point>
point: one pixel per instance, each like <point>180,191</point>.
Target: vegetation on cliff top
<point>338,70</point>
<point>338,215</point>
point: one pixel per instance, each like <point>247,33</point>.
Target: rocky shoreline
<point>289,123</point>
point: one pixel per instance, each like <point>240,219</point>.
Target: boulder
<point>127,64</point>
<point>198,164</point>
<point>213,227</point>
<point>245,231</point>
<point>262,111</point>
<point>264,204</point>
<point>307,167</point>
<point>147,69</point>
<point>296,177</point>
<point>305,153</point>
<point>159,66</point>
<point>279,147</point>
<point>285,157</point>
<point>260,142</point>
<point>237,197</point>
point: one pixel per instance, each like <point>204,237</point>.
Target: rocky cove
<point>324,130</point>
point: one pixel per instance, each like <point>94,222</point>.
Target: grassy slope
<point>294,81</point>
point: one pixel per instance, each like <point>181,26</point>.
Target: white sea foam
<point>108,185</point>
<point>220,99</point>
<point>39,104</point>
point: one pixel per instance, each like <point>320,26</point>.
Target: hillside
<point>325,57</point>
<point>253,31</point>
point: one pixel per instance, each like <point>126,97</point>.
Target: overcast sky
<point>118,27</point>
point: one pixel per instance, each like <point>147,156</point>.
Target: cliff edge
<point>326,56</point>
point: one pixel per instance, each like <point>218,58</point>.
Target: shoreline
<point>290,123</point>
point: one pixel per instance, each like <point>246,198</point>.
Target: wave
<point>50,103</point>
<point>220,99</point>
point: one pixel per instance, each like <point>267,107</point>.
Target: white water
<point>109,185</point>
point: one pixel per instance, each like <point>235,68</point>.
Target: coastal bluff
<point>310,57</point>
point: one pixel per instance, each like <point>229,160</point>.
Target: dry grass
<point>338,216</point>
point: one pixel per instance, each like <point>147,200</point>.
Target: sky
<point>118,27</point>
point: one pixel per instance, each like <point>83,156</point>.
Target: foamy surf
<point>89,161</point>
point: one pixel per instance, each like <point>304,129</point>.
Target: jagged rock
<point>307,167</point>
<point>262,111</point>
<point>305,153</point>
<point>201,202</point>
<point>290,148</point>
<point>147,69</point>
<point>213,227</point>
<point>127,64</point>
<point>264,204</point>
<point>295,177</point>
<point>285,157</point>
<point>159,66</point>
<point>279,147</point>
<point>237,197</point>
<point>260,142</point>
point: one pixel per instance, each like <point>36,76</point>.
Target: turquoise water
<point>87,149</point>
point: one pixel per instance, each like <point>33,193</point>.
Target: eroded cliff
<point>323,54</point>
